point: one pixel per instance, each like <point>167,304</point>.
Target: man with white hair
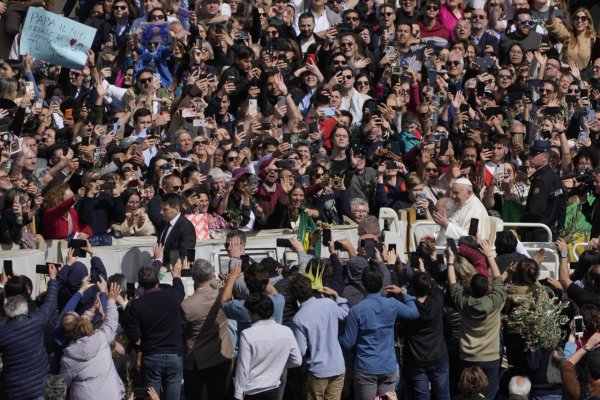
<point>24,360</point>
<point>519,388</point>
<point>457,223</point>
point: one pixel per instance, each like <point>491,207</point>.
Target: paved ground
<point>5,43</point>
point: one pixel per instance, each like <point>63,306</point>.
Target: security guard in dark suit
<point>546,202</point>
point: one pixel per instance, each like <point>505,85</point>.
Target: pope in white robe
<point>469,206</point>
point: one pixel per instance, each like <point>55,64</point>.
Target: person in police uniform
<point>546,199</point>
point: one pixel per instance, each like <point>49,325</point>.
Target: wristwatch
<point>586,348</point>
<point>564,255</point>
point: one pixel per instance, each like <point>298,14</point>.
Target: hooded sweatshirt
<point>87,365</point>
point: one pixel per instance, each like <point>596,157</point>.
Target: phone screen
<point>326,237</point>
<point>473,227</point>
<point>369,246</point>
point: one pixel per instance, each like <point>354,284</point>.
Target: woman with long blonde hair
<point>578,39</point>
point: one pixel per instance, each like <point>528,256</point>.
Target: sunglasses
<point>177,188</point>
<point>527,22</point>
<point>346,44</point>
<point>347,77</point>
<point>272,33</point>
<point>504,76</point>
<point>477,16</point>
<point>157,17</point>
<point>452,63</point>
<point>582,18</point>
<point>145,80</point>
<point>434,170</point>
<point>362,83</point>
<point>573,91</point>
<point>293,158</point>
<point>387,14</point>
<point>230,159</point>
<point>432,8</point>
<point>348,19</point>
<point>120,8</point>
<point>339,62</point>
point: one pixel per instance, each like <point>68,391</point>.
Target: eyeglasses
<point>434,170</point>
<point>121,8</point>
<point>156,17</point>
<point>452,63</point>
<point>202,142</point>
<point>388,14</point>
<point>176,188</point>
<point>595,66</point>
<point>347,77</point>
<point>230,159</point>
<point>504,76</point>
<point>349,19</point>
<point>478,16</point>
<point>582,18</point>
<point>544,90</point>
<point>527,22</point>
<point>133,202</point>
<point>432,8</point>
<point>75,74</point>
<point>262,15</point>
<point>346,44</point>
<point>271,33</point>
<point>573,91</point>
<point>294,158</point>
<point>362,83</point>
<point>339,62</point>
<point>145,80</point>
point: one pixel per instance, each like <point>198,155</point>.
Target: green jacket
<point>480,326</point>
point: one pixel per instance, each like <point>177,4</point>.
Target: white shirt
<point>321,22</point>
<point>265,350</point>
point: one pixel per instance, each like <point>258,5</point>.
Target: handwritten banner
<point>55,39</point>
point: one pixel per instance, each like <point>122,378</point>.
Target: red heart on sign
<point>73,41</point>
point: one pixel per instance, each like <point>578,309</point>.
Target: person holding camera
<point>592,214</point>
<point>101,205</point>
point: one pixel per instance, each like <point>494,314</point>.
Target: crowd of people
<point>251,115</point>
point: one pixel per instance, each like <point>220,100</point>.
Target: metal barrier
<point>575,250</point>
<point>530,225</point>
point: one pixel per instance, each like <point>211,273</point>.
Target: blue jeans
<point>164,370</point>
<point>439,378</point>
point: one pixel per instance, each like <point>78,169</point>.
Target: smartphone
<point>252,106</point>
<point>583,93</point>
<point>487,146</point>
<point>517,139</point>
<point>283,243</point>
<point>8,268</point>
<point>130,290</point>
<point>395,148</point>
<point>578,322</point>
<point>184,13</point>
<point>326,237</point>
<point>369,246</point>
<point>285,164</point>
<point>186,273</point>
<point>305,180</point>
<point>583,137</point>
<point>245,262</point>
<point>265,126</point>
<point>311,58</point>
<point>287,137</point>
<point>443,146</point>
<point>390,165</point>
<point>77,243</point>
<point>500,170</point>
<point>69,113</point>
<point>473,227</point>
<point>188,112</point>
<point>552,110</point>
<point>108,185</point>
<point>414,259</point>
<point>391,246</point>
<point>155,78</point>
<point>328,111</point>
<point>464,108</point>
<point>85,141</point>
<point>190,254</point>
<point>452,243</point>
<point>42,269</point>
<point>173,256</point>
<point>281,102</point>
<point>491,111</point>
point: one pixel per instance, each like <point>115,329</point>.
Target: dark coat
<point>181,238</point>
<point>24,357</point>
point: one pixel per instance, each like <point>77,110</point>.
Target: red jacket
<point>56,226</point>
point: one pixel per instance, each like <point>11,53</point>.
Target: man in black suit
<point>171,184</point>
<point>178,233</point>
